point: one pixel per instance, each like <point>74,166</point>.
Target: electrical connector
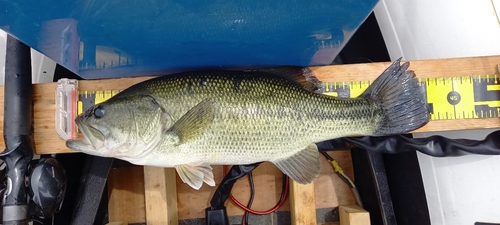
<point>216,216</point>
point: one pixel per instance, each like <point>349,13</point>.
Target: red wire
<point>243,218</point>
<point>276,207</point>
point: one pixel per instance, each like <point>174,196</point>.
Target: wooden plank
<point>160,195</point>
<point>117,223</point>
<point>48,142</point>
<point>330,191</point>
<point>353,215</point>
<point>302,204</point>
<point>450,67</point>
<point>126,195</point>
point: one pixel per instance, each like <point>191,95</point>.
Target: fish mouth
<point>86,139</point>
<point>90,138</point>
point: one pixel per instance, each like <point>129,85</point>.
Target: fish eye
<point>98,112</point>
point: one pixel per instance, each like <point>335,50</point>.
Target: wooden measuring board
<point>48,142</point>
<point>449,98</point>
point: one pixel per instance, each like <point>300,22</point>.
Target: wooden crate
<point>133,200</point>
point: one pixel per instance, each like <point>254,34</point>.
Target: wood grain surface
<point>48,142</point>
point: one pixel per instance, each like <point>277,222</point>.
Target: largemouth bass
<point>192,120</point>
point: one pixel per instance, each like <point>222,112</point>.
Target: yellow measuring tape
<point>90,98</point>
<point>464,97</point>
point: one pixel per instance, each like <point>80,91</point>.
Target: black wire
<point>283,186</point>
<point>328,157</point>
<point>342,176</point>
<point>252,194</point>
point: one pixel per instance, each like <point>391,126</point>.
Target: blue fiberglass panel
<point>112,38</point>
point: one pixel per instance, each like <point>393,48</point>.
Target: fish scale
<point>196,119</point>
<point>229,136</point>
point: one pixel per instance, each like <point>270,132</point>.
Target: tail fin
<point>402,102</point>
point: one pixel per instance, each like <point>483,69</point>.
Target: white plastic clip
<point>66,108</point>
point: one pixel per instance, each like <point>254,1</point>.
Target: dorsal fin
<point>302,75</point>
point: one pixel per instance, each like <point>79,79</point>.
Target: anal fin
<point>303,167</point>
<point>195,174</point>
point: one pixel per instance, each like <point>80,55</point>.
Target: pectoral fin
<point>195,122</point>
<point>303,167</point>
<point>195,174</point>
